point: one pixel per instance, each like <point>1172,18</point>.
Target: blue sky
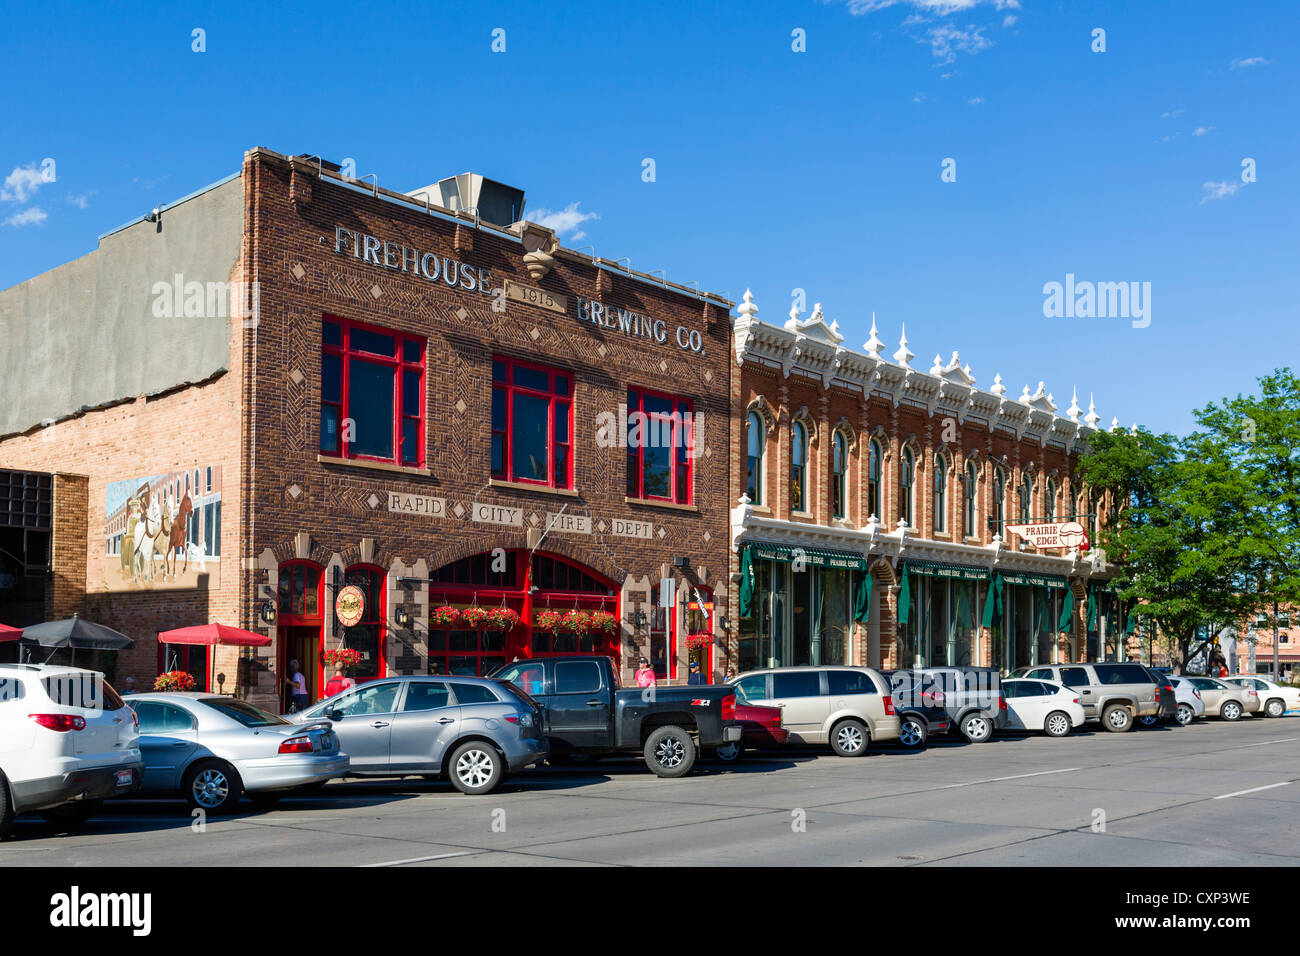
<point>774,169</point>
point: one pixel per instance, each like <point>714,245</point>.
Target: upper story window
<point>660,446</point>
<point>372,394</point>
<point>532,423</point>
<point>969,503</point>
<point>1050,502</point>
<point>1026,499</point>
<point>798,467</point>
<point>839,462</point>
<point>873,480</point>
<point>755,437</point>
<point>999,500</point>
<point>907,477</point>
<point>940,494</point>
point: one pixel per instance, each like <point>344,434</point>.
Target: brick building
<point>290,384</point>
<point>870,504</point>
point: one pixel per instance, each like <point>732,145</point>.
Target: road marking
<point>1265,743</point>
<point>1018,776</point>
<point>1252,790</point>
<point>421,859</point>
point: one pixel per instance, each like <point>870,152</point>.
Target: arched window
<point>907,476</point>
<point>1000,500</point>
<point>367,635</point>
<point>940,493</point>
<point>873,480</point>
<point>969,503</point>
<point>798,467</point>
<point>1026,498</point>
<point>839,460</point>
<point>1050,503</point>
<point>754,474</point>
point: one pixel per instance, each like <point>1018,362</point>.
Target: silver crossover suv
<point>846,707</point>
<point>469,729</point>
<point>1114,693</point>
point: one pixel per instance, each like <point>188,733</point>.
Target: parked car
<point>587,714</point>
<point>1189,704</point>
<point>934,700</point>
<point>473,731</point>
<point>1225,701</point>
<point>1113,693</point>
<point>212,750</point>
<point>846,707</point>
<point>760,728</point>
<point>67,741</point>
<point>1168,698</point>
<point>1042,705</point>
<point>1277,698</point>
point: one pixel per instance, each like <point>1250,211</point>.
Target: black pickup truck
<point>587,715</point>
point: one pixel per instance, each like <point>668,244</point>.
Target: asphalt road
<point>1213,794</point>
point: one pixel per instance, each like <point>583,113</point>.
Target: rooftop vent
<point>495,202</point>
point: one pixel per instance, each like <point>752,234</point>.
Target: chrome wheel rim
<point>670,752</point>
<point>1057,725</point>
<point>910,733</point>
<point>1118,718</point>
<point>1275,708</point>
<point>849,738</point>
<point>211,788</point>
<point>1231,711</point>
<point>474,768</point>
<point>1184,714</point>
<point>976,728</point>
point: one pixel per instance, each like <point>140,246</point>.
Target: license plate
<point>124,778</point>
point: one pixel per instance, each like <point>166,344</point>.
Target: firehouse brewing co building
<point>288,388</point>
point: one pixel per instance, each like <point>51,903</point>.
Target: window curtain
<point>993,603</point>
<point>862,599</point>
<point>905,598</point>
<point>1066,622</point>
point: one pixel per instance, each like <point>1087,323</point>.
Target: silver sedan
<point>212,749</point>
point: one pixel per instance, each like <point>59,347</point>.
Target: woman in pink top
<point>645,677</point>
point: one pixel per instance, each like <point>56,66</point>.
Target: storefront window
<point>834,622</point>
<point>660,443</point>
<point>756,435</point>
<point>532,424</point>
<point>372,394</point>
<point>367,634</point>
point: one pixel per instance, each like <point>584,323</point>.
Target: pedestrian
<point>128,687</point>
<point>696,676</point>
<point>644,676</point>
<point>339,682</point>
<point>298,699</point>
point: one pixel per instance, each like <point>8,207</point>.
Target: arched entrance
<point>509,579</point>
<point>300,619</point>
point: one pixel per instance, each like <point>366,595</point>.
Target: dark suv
<point>934,700</point>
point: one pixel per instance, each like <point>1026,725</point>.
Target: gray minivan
<point>1115,694</point>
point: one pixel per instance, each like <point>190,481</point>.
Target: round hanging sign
<point>350,605</point>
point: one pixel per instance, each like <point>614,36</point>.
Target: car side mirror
<point>334,714</point>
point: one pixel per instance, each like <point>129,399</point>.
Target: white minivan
<point>67,741</point>
<point>846,707</point>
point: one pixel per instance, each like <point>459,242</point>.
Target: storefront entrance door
<point>303,645</point>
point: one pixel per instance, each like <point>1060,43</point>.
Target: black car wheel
<point>1275,708</point>
<point>476,768</point>
<point>977,728</point>
<point>6,807</point>
<point>72,814</point>
<point>1231,710</point>
<point>1185,715</point>
<point>1117,719</point>
<point>213,787</point>
<point>911,733</point>
<point>1057,724</point>
<point>670,752</point>
<point>849,738</point>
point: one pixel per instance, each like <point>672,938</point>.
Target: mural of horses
<point>176,537</point>
<point>151,535</point>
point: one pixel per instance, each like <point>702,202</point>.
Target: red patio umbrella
<point>8,633</point>
<point>213,634</point>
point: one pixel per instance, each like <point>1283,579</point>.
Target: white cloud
<point>1201,130</point>
<point>1009,21</point>
<point>976,101</point>
<point>21,183</point>
<point>33,216</point>
<point>1170,114</point>
<point>564,220</point>
<point>918,98</point>
<point>947,41</point>
<point>1248,62</point>
<point>1220,190</point>
<point>82,201</point>
<point>939,8</point>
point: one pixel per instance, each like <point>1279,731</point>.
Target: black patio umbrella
<point>74,632</point>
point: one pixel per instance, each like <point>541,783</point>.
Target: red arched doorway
<point>299,619</point>
<point>510,579</point>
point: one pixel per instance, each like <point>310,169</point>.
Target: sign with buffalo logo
<point>350,605</point>
<point>1058,534</point>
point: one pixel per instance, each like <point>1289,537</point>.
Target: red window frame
<point>401,366</point>
<point>555,403</point>
<point>681,467</point>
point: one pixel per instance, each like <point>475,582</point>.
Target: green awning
<point>1066,622</point>
<point>862,598</point>
<point>904,598</point>
<point>993,603</point>
<point>1132,622</point>
<point>746,583</point>
<point>1092,611</point>
<point>1025,579</point>
<point>812,557</point>
<point>957,572</point>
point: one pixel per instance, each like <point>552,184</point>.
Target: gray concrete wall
<point>89,333</point>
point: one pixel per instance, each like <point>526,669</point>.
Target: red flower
<point>547,620</point>
<point>502,618</point>
<point>444,617</point>
<point>174,681</point>
<point>474,618</point>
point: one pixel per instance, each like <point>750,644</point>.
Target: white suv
<point>67,741</point>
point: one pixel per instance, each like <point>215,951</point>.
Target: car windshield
<point>246,714</point>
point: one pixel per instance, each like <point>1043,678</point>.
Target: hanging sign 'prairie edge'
<point>1059,534</point>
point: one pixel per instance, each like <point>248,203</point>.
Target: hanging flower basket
<point>174,680</point>
<point>602,622</point>
<point>502,619</point>
<point>699,640</point>
<point>444,618</point>
<point>475,618</point>
<point>344,657</point>
<point>548,621</point>
<point>576,622</point>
